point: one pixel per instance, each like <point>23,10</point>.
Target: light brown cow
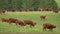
<point>4,20</point>
<point>42,17</point>
<point>2,11</point>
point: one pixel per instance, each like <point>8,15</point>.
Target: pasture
<point>34,16</point>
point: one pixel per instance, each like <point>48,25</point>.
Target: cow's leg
<point>16,23</point>
<point>51,30</point>
<point>31,26</point>
<point>24,26</point>
<point>44,28</point>
<point>9,22</point>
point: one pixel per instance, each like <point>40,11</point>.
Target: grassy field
<point>34,16</point>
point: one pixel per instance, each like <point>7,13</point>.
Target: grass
<point>34,16</point>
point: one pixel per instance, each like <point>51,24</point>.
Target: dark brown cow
<point>42,17</point>
<point>3,11</point>
<point>47,9</point>
<point>55,11</point>
<point>12,20</point>
<point>4,19</point>
<point>29,22</point>
<point>48,26</point>
<point>13,10</point>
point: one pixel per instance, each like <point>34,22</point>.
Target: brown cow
<point>42,17</point>
<point>19,22</point>
<point>13,10</point>
<point>48,26</point>
<point>4,19</point>
<point>47,9</point>
<point>12,20</point>
<point>29,22</point>
<point>55,11</point>
<point>2,11</point>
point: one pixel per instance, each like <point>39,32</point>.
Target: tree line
<point>27,4</point>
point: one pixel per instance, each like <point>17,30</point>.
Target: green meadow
<point>34,16</point>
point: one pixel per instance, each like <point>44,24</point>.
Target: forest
<point>27,4</point>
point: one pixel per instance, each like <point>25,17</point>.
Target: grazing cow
<point>42,17</point>
<point>4,19</point>
<point>19,22</point>
<point>12,20</point>
<point>47,9</point>
<point>13,10</point>
<point>2,11</point>
<point>48,26</point>
<point>56,11</point>
<point>29,22</point>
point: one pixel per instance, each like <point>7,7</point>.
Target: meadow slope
<point>34,16</point>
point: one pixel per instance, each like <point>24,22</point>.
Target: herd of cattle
<point>30,9</point>
<point>29,22</point>
<point>19,22</point>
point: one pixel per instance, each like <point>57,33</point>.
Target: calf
<point>48,26</point>
<point>29,22</point>
<point>42,17</point>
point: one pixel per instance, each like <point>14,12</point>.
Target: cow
<point>48,26</point>
<point>13,10</point>
<point>4,19</point>
<point>19,22</point>
<point>42,17</point>
<point>47,9</point>
<point>29,22</point>
<point>2,11</point>
<point>12,20</point>
<point>55,11</point>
